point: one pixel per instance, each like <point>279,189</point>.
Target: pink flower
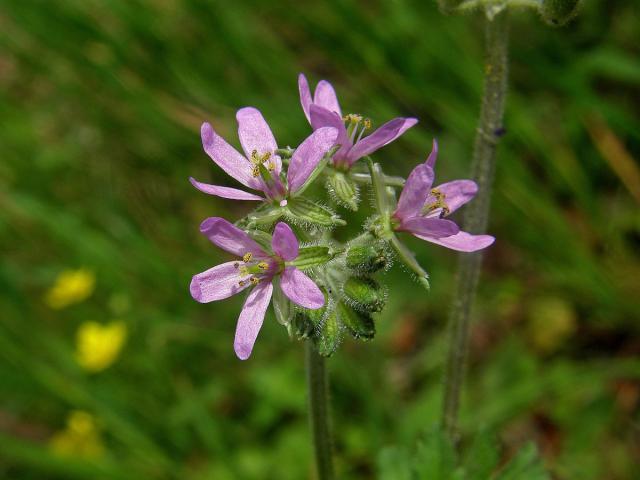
<point>259,168</point>
<point>254,269</point>
<point>323,110</point>
<point>421,209</point>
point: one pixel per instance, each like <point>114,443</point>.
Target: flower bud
<point>343,190</point>
<point>304,211</point>
<point>359,324</point>
<point>306,323</point>
<point>329,335</point>
<point>364,294</point>
<point>368,258</point>
<point>559,12</point>
<point>302,325</point>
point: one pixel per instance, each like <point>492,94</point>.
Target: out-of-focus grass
<point>100,105</point>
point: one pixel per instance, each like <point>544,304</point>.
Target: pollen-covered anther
<point>439,203</point>
<point>367,123</point>
<point>254,280</point>
<point>246,258</point>
<point>263,266</point>
<point>242,283</point>
<point>255,171</point>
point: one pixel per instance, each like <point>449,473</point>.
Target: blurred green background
<point>100,107</point>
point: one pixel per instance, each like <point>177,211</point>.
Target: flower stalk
<point>318,384</point>
<point>489,131</point>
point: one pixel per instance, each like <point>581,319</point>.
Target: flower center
<point>250,270</point>
<point>263,160</point>
<point>264,167</point>
<point>356,126</point>
<point>438,203</point>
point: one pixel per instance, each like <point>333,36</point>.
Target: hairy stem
<point>477,213</point>
<point>318,383</point>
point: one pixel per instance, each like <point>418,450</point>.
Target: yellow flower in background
<point>98,345</point>
<point>71,286</point>
<point>80,438</point>
<point>551,322</point>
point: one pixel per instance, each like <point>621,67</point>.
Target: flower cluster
<point>320,288</point>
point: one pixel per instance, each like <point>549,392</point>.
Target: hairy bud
<point>302,325</point>
<point>329,335</point>
<point>359,324</point>
<point>559,12</point>
<point>368,258</point>
<point>365,294</point>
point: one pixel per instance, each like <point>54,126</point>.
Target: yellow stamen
<point>242,283</point>
<point>263,265</point>
<point>246,258</point>
<point>439,203</point>
<point>254,280</point>
<point>367,123</point>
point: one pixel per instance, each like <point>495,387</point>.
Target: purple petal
<point>229,237</point>
<point>382,136</point>
<point>416,190</point>
<point>321,117</point>
<point>300,289</point>
<point>431,159</point>
<point>217,283</point>
<point>284,242</point>
<point>255,134</point>
<point>325,96</point>
<point>430,227</point>
<point>305,95</point>
<point>306,157</point>
<point>457,193</point>
<point>462,241</point>
<point>251,318</point>
<point>224,192</point>
<point>226,157</point>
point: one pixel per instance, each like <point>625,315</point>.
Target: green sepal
<point>359,324</point>
<point>559,12</point>
<point>305,211</point>
<point>262,238</point>
<point>343,190</point>
<point>364,294</point>
<point>282,306</point>
<point>309,257</point>
<point>263,216</point>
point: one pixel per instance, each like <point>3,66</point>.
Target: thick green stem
<point>477,213</point>
<point>318,382</point>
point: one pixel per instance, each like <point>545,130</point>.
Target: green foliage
<point>435,458</point>
<point>101,104</point>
